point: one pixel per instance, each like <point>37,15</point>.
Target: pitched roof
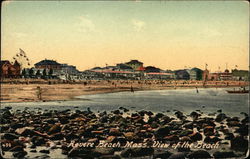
<point>96,68</point>
<point>134,62</point>
<point>141,68</point>
<point>123,66</point>
<point>47,62</point>
<point>196,69</point>
<point>2,62</point>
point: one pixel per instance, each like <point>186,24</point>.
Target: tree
<point>38,73</point>
<point>24,73</point>
<point>9,72</point>
<point>44,73</point>
<point>31,72</point>
<point>50,72</point>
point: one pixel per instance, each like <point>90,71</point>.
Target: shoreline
<point>13,93</point>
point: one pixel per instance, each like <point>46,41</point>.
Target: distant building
<point>141,69</point>
<point>9,70</point>
<point>240,75</point>
<point>220,76</point>
<point>123,67</point>
<point>225,76</point>
<point>182,74</point>
<point>159,75</point>
<point>110,68</point>
<point>213,77</point>
<point>195,74</point>
<point>135,64</point>
<point>56,70</point>
<point>48,64</point>
<point>69,69</point>
<point>152,69</point>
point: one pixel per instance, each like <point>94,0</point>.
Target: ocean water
<point>208,100</point>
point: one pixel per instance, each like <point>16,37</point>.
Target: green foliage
<point>24,72</point>
<point>50,72</point>
<point>31,72</point>
<point>38,73</point>
<point>44,72</point>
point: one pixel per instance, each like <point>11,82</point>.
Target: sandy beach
<point>26,91</point>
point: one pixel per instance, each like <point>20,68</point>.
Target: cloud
<point>138,25</point>
<point>85,24</point>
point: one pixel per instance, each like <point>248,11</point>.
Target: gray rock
<point>162,132</point>
<point>10,136</point>
<point>38,141</point>
<point>77,152</point>
<point>239,143</point>
<point>44,151</point>
<point>20,154</point>
<point>225,154</point>
<point>103,151</point>
<point>17,148</point>
<point>220,117</point>
<point>195,136</point>
<point>162,155</point>
<point>199,154</point>
<point>178,155</point>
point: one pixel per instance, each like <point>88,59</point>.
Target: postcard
<point>124,79</point>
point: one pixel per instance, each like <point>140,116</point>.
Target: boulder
<point>162,155</point>
<point>195,136</point>
<point>10,136</point>
<point>242,130</point>
<point>129,135</point>
<point>178,155</point>
<point>239,143</point>
<point>17,148</point>
<point>79,152</point>
<point>233,123</point>
<point>220,117</point>
<point>114,132</point>
<point>211,139</point>
<point>224,154</point>
<point>25,131</point>
<point>199,154</point>
<point>162,132</point>
<point>20,154</point>
<point>38,141</point>
<point>54,129</point>
<point>208,130</point>
<point>100,151</point>
<point>44,151</point>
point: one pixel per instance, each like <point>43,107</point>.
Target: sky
<point>165,34</point>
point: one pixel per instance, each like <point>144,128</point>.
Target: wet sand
<point>54,91</point>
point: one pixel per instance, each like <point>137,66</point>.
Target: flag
<point>21,51</point>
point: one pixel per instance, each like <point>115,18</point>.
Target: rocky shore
<point>122,134</point>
